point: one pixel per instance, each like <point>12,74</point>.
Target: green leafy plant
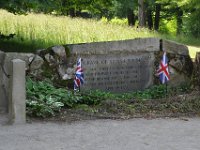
<point>43,99</point>
<point>94,97</point>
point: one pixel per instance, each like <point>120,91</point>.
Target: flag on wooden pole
<point>163,70</point>
<point>79,76</point>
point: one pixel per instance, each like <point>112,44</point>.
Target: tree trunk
<point>141,13</point>
<point>131,17</point>
<point>72,12</point>
<point>157,17</point>
<point>179,21</point>
<point>149,19</point>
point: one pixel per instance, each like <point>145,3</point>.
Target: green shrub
<point>193,25</point>
<point>94,97</point>
<point>43,99</point>
<point>168,26</point>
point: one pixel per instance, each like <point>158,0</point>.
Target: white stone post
<point>17,94</point>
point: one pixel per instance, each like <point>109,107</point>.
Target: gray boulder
<point>180,63</point>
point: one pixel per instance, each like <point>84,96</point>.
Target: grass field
<point>36,31</point>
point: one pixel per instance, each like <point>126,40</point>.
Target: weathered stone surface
<point>100,73</point>
<point>175,48</point>
<point>118,73</point>
<point>177,78</point>
<point>176,75</point>
<point>119,66</point>
<point>2,56</point>
<point>33,65</point>
<point>60,52</point>
<point>17,98</point>
<point>58,62</point>
<point>3,102</point>
<point>126,46</point>
<point>181,68</point>
<point>196,75</point>
<point>139,51</point>
<point>59,55</point>
<point>180,64</point>
<point>23,56</point>
<point>33,61</point>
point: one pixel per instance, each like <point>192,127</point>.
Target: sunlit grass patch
<point>53,30</point>
<point>36,31</point>
<point>193,50</point>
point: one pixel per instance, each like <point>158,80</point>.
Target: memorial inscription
<point>117,66</point>
<point>116,73</point>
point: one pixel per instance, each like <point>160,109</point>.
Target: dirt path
<point>134,134</point>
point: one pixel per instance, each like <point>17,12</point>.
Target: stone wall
<point>180,63</point>
<point>116,66</point>
<point>119,66</point>
<point>33,64</point>
<point>129,65</point>
<point>12,87</point>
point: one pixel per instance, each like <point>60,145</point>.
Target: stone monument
<point>118,66</point>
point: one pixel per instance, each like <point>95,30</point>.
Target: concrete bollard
<point>17,94</point>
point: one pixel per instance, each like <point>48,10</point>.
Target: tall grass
<point>46,30</point>
<point>35,31</point>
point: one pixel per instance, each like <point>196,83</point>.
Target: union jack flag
<point>163,71</point>
<point>79,76</point>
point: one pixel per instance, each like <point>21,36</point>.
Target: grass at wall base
<point>46,101</point>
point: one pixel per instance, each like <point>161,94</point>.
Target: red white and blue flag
<point>79,76</point>
<point>163,71</point>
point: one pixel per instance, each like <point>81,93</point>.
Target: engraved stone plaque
<point>118,73</point>
<point>117,66</point>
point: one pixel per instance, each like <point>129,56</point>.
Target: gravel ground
<point>134,134</point>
